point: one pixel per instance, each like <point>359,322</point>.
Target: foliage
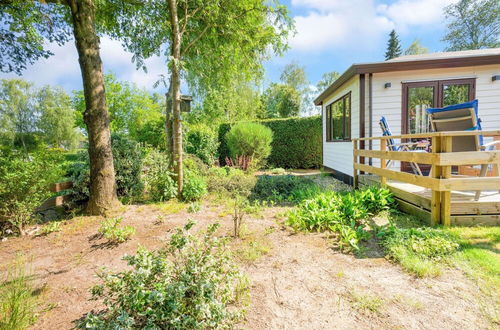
<point>29,116</point>
<point>296,142</point>
<point>49,228</point>
<point>472,24</point>
<point>278,171</point>
<point>127,157</point>
<point>250,139</point>
<point>240,205</point>
<point>284,188</point>
<point>26,26</point>
<point>294,77</point>
<point>110,229</point>
<point>194,207</point>
<point>195,187</point>
<point>230,181</point>
<point>18,299</point>
<point>201,141</point>
<point>417,249</point>
<point>192,283</point>
<point>342,213</point>
<point>416,48</point>
<point>281,101</point>
<point>133,111</point>
<point>157,176</point>
<point>25,185</point>
<point>326,80</point>
<point>393,46</point>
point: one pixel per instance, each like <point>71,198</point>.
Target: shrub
<point>127,159</point>
<point>230,181</point>
<point>194,164</point>
<point>25,185</point>
<point>342,213</point>
<point>202,142</point>
<point>158,177</point>
<point>250,139</point>
<point>194,187</point>
<point>192,283</point>
<point>110,229</point>
<point>296,142</point>
<point>418,249</point>
<point>284,188</point>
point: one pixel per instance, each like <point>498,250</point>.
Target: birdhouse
<point>185,103</point>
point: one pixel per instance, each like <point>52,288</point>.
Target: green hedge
<point>296,142</point>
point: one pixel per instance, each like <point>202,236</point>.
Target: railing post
<point>436,173</point>
<point>383,163</point>
<point>446,146</point>
<point>355,161</point>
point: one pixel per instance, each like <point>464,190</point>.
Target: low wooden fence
<point>57,200</point>
<point>441,158</point>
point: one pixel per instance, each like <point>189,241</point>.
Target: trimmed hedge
<point>296,142</point>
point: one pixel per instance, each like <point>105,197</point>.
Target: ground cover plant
<point>342,213</point>
<point>192,283</point>
<point>284,189</point>
<point>111,230</point>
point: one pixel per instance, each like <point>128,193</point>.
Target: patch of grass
<point>111,230</point>
<point>51,227</point>
<point>19,299</point>
<point>170,207</point>
<point>364,301</point>
<point>253,248</point>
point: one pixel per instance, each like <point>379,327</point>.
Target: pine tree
<point>393,46</point>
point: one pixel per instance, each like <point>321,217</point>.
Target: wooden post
<point>436,195</point>
<point>383,163</point>
<point>446,146</point>
<point>355,161</point>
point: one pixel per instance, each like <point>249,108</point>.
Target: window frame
<point>346,126</point>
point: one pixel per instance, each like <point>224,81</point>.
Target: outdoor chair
<point>403,146</point>
<point>462,117</point>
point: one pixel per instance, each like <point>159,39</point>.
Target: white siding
<point>387,101</point>
<point>339,155</point>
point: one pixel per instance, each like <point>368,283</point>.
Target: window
<point>338,119</point>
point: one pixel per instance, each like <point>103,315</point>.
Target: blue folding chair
<point>462,117</point>
<point>407,146</point>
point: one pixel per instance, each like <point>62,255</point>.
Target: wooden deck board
<point>462,202</point>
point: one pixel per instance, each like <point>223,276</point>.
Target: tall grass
<point>18,298</point>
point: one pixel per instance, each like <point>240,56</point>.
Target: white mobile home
<point>400,90</point>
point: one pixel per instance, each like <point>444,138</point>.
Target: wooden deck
<point>440,197</point>
<point>465,210</point>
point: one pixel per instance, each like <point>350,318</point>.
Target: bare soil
<point>300,282</point>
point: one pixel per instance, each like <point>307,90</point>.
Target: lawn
<point>296,278</point>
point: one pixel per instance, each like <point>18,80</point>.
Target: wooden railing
<point>440,157</point>
<point>57,200</point>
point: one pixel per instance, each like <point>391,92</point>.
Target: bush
<point>158,177</point>
<point>284,188</point>
<point>25,185</point>
<point>202,142</point>
<point>191,284</point>
<point>111,231</point>
<point>418,249</point>
<point>250,139</point>
<point>127,159</point>
<point>194,187</point>
<point>230,182</point>
<point>297,142</point>
<point>342,213</point>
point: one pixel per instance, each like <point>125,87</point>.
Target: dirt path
<point>301,283</point>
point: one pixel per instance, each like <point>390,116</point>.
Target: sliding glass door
<point>419,96</point>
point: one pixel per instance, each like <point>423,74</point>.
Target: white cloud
<point>63,69</point>
<point>414,12</point>
<point>357,24</point>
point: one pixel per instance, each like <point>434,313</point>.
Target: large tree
<point>326,80</point>
<point>416,48</point>
<point>206,41</point>
<point>294,76</point>
<point>393,46</point>
<point>473,24</point>
<point>26,25</point>
<point>281,100</point>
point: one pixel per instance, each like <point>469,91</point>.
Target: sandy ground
<point>301,283</point>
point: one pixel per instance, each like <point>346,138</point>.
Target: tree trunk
<point>102,173</point>
<point>176,94</point>
<point>169,128</point>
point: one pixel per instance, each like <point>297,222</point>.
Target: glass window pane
<point>455,94</point>
<point>347,119</point>
<point>419,99</point>
<point>337,114</point>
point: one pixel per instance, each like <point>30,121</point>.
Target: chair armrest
<point>490,144</point>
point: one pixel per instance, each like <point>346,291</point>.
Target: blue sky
<point>331,35</point>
